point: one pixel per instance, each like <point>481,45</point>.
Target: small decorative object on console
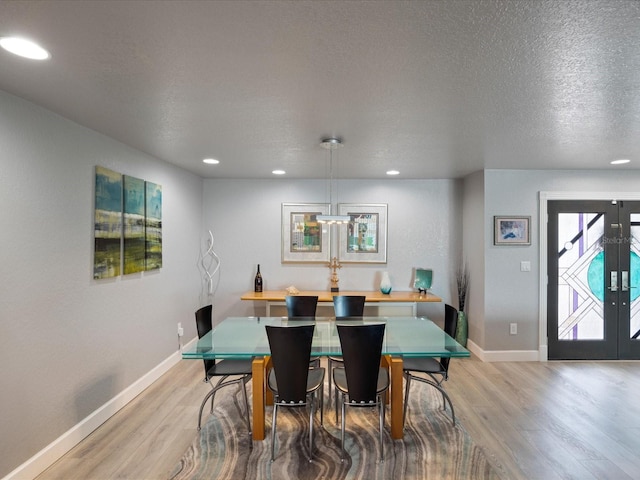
<point>385,283</point>
<point>258,281</point>
<point>423,281</point>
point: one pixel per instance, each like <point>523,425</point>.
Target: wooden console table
<point>376,304</point>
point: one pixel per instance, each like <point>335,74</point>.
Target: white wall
<point>245,218</point>
<point>69,343</point>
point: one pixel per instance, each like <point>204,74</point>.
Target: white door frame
<point>543,348</point>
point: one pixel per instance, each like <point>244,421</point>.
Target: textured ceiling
<point>434,89</point>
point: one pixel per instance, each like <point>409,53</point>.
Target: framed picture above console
<point>364,238</point>
<point>302,238</point>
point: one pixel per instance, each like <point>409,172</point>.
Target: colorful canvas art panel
<point>107,223</point>
<point>134,239</point>
<point>153,226</point>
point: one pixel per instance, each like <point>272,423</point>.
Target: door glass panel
<point>634,277</point>
<point>581,276</point>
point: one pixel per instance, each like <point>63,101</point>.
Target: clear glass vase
<point>385,283</point>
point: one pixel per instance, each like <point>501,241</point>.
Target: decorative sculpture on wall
<point>210,266</point>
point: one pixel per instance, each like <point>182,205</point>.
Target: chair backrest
<point>361,350</point>
<point>450,325</point>
<point>450,320</point>
<point>348,305</point>
<point>301,305</point>
<point>290,353</point>
<point>204,326</point>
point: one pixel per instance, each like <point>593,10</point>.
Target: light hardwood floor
<point>546,421</point>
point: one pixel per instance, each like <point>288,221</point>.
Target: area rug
<point>432,448</point>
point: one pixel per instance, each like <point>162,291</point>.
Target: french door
<point>594,279</point>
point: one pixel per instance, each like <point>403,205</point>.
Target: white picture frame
<point>303,239</point>
<point>364,238</point>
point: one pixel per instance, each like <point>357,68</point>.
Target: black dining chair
<point>344,307</point>
<point>293,383</point>
<point>303,307</point>
<point>222,368</point>
<point>362,382</point>
<point>436,369</point>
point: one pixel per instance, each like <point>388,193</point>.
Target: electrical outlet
<point>525,266</point>
<point>180,329</point>
<point>513,328</point>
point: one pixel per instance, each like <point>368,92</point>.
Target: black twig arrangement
<point>462,280</point>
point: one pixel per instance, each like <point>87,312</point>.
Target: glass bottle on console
<point>258,281</point>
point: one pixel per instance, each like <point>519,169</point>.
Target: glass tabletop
<point>244,337</point>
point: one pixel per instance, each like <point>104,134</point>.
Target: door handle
<point>625,281</point>
<point>614,281</point>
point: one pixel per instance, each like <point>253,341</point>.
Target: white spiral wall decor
<point>210,266</point>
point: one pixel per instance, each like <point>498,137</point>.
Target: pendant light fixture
<point>332,144</point>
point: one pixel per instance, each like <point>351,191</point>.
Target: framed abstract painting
<point>364,238</point>
<point>303,240</point>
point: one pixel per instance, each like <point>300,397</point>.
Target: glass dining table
<point>245,337</point>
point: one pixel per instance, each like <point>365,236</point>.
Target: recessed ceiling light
<point>622,161</point>
<point>24,48</point>
<point>211,161</point>
<point>278,172</point>
<point>393,172</point>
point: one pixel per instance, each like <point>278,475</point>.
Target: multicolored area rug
<point>432,448</point>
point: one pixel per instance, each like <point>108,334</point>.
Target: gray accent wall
<point>70,343</point>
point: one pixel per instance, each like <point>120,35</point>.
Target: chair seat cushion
<point>315,379</point>
<point>340,380</point>
<point>422,364</point>
<point>231,367</point>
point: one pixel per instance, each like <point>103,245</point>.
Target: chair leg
<point>439,383</point>
<point>209,395</point>
<point>329,369</point>
<point>406,397</point>
<point>243,387</point>
<point>206,398</point>
<point>336,395</point>
<point>273,431</point>
<point>321,404</point>
<point>342,452</point>
<point>381,415</point>
<point>444,396</point>
<point>214,387</point>
<point>311,428</point>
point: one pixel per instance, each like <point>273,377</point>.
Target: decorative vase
<point>462,329</point>
<point>385,283</point>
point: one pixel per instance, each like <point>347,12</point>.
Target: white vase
<point>385,283</point>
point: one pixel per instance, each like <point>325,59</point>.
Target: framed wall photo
<point>364,238</point>
<point>513,230</point>
<point>302,237</point>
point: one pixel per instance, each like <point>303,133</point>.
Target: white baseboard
<point>503,355</point>
<point>59,447</point>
